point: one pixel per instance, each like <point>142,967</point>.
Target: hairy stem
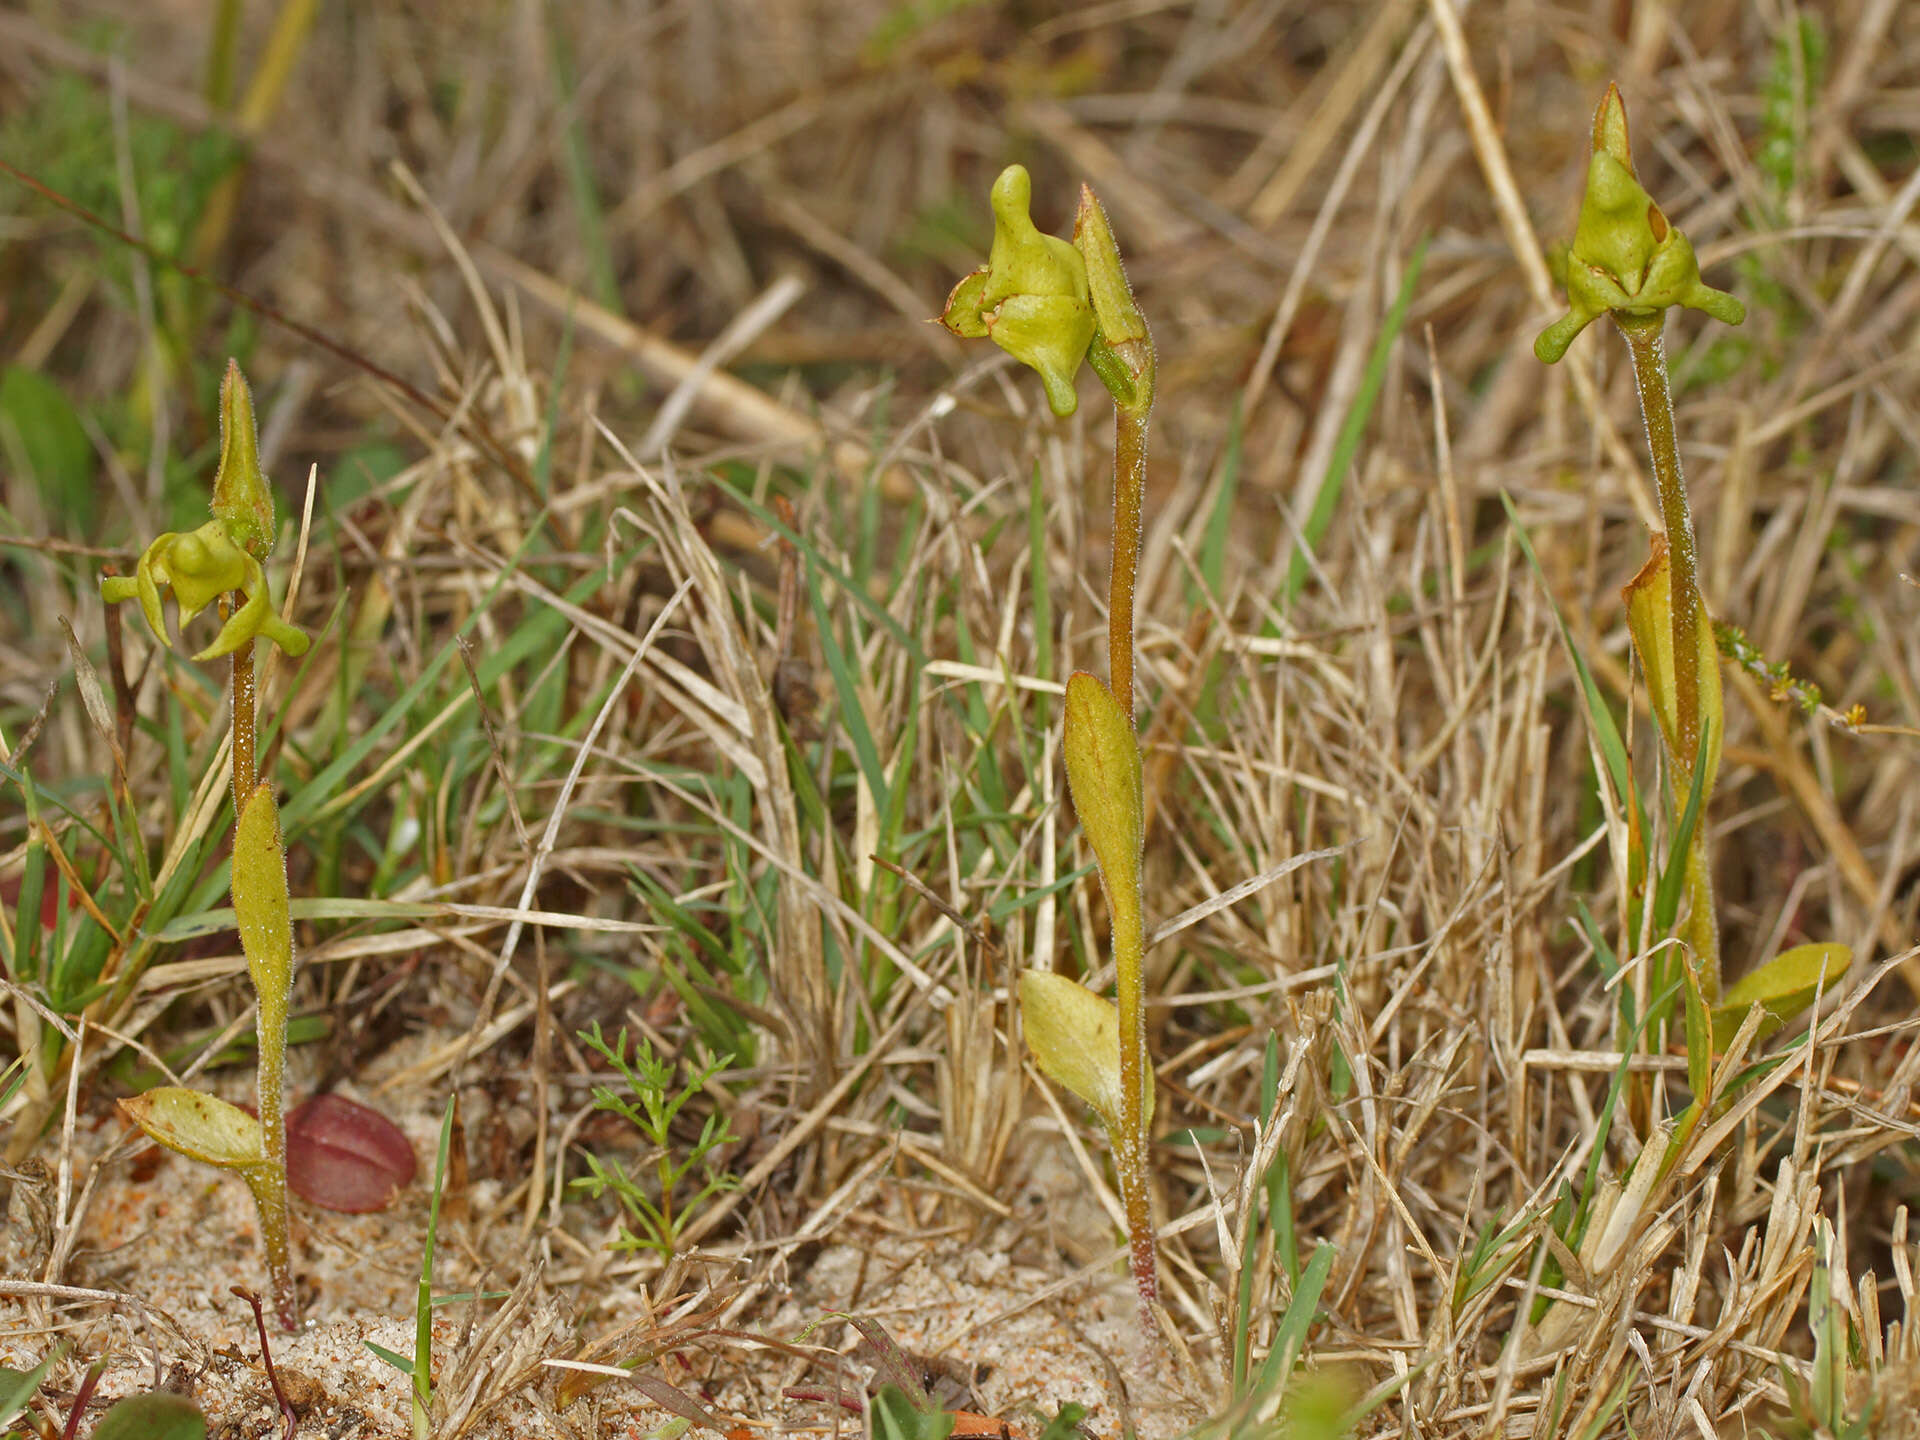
<point>271,1193</point>
<point>1642,334</point>
<point>1703,929</point>
<point>1643,337</point>
<point>1129,493</point>
<point>1132,1138</point>
<point>244,769</point>
<point>269,1186</point>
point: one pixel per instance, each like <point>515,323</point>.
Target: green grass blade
<point>1290,1338</point>
<point>1606,734</point>
<point>578,164</point>
<point>1673,877</point>
<point>1326,500</point>
<point>1213,541</point>
<point>853,714</point>
<point>1038,580</point>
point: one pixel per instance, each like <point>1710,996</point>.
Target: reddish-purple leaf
<point>343,1156</point>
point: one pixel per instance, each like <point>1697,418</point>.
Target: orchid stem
<point>1642,333</point>
<point>244,768</point>
<point>1643,336</point>
<point>1129,492</point>
<point>1132,1139</point>
<point>269,1185</point>
<point>1133,1142</point>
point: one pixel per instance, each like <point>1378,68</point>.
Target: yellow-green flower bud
<point>1122,351</point>
<point>242,499</point>
<point>1626,255</point>
<point>1031,298</point>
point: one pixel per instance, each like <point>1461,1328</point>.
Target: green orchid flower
<point>1031,298</point>
<point>223,555</point>
<point>201,565</point>
<point>1626,255</point>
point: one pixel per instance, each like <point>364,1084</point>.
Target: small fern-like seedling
<point>657,1213</point>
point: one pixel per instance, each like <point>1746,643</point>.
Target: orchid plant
<point>220,563</point>
<point>1630,262</point>
<point>1052,304</point>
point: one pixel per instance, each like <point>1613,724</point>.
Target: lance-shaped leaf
<point>1075,1035</point>
<point>200,1127</point>
<point>1782,988</point>
<point>1649,597</point>
<point>1103,775</point>
<point>261,904</point>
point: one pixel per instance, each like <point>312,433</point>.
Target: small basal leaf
<point>1075,1035</point>
<point>1782,987</point>
<point>342,1155</point>
<point>200,1127</point>
<point>160,1415</point>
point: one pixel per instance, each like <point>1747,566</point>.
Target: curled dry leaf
<point>343,1156</point>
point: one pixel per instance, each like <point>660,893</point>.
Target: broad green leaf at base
<point>1075,1035</point>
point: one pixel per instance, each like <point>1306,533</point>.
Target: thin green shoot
<point>423,1316</point>
<point>1213,540</point>
<point>1606,734</point>
<point>578,162</point>
<point>1673,877</point>
<point>419,1369</point>
<point>1326,500</point>
<point>1290,1336</point>
<point>1039,583</point>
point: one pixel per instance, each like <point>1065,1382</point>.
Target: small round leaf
<point>343,1156</point>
